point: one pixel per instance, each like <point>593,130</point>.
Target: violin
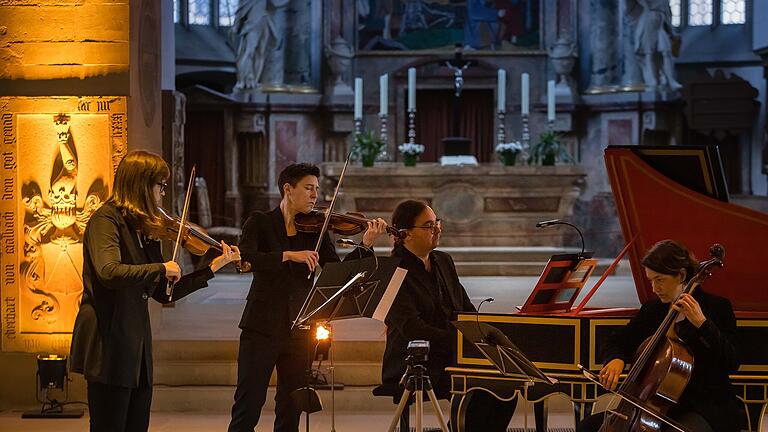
<point>194,237</point>
<point>345,224</point>
<point>660,371</point>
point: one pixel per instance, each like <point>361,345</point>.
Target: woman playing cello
<point>708,330</point>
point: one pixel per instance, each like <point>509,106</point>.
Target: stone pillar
<point>603,38</point>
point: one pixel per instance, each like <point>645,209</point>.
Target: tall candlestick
<point>501,92</point>
<point>550,100</point>
<point>383,95</point>
<point>525,96</point>
<point>411,89</point>
<point>358,98</point>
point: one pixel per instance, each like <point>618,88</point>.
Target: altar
<point>484,205</point>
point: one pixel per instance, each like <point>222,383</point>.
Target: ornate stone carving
<point>653,44</point>
<point>260,30</point>
<point>563,56</point>
<point>339,54</point>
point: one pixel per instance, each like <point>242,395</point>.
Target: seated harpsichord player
<point>429,297</point>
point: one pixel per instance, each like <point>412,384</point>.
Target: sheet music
<point>389,294</point>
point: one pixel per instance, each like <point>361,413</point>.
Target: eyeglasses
<point>432,226</point>
<point>163,186</point>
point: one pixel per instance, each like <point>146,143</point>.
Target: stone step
<point>224,373</point>
<point>226,350</point>
<point>210,399</point>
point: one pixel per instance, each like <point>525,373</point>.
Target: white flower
<point>510,147</point>
<point>411,149</point>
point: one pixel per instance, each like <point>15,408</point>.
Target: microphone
<point>346,243</point>
<point>547,223</point>
<point>477,321</point>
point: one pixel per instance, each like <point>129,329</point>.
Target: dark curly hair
<point>295,172</point>
<point>669,257</point>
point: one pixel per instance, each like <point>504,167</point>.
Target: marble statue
<point>260,35</point>
<point>339,54</point>
<point>653,38</point>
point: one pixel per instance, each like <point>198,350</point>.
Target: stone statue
<point>260,36</point>
<point>563,56</point>
<point>653,39</point>
<point>339,54</point>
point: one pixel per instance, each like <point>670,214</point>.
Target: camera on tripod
<point>417,351</point>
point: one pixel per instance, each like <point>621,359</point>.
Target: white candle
<point>383,94</point>
<point>501,92</point>
<point>358,98</point>
<point>551,100</point>
<point>411,89</point>
<point>524,89</point>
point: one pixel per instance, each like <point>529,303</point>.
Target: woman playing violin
<point>708,330</point>
<point>281,258</point>
<point>122,268</point>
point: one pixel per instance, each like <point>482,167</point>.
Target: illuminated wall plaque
<point>58,159</point>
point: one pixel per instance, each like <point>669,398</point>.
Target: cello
<point>660,371</point>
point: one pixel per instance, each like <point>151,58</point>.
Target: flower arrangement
<point>410,152</point>
<point>367,147</point>
<point>508,152</point>
<point>548,150</point>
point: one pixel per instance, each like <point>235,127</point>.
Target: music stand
<point>504,355</point>
<point>560,283</point>
<point>352,289</point>
<point>348,290</point>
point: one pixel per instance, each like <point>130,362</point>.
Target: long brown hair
<point>136,175</point>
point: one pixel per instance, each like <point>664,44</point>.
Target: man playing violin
<point>429,297</point>
<point>708,330</point>
<point>281,258</point>
<point>122,268</point>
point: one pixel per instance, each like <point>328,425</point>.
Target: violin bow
<point>323,230</point>
<point>182,223</point>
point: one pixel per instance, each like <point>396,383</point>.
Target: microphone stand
<point>548,223</point>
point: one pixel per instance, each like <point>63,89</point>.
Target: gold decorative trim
<point>593,365</point>
<point>519,319</point>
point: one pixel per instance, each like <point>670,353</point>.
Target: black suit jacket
<point>709,391</point>
<point>112,333</point>
<point>278,289</point>
<point>414,315</point>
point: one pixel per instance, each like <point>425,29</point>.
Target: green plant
<point>367,146</point>
<point>548,150</point>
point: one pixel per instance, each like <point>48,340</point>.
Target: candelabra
<point>501,136</point>
<point>412,126</point>
<point>526,138</point>
<point>383,127</point>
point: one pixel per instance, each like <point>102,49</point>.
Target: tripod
<point>416,382</point>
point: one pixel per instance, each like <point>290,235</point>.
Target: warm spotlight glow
<point>322,333</point>
<point>59,156</point>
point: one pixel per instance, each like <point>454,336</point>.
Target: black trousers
<point>119,409</point>
<point>259,354</point>
<point>689,420</point>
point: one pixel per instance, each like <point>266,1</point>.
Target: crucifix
<point>458,65</point>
